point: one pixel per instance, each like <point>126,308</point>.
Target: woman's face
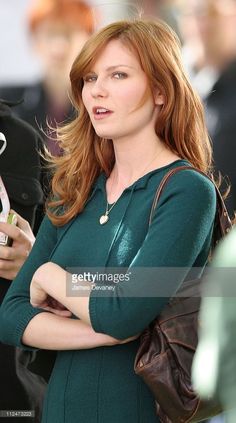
<point>117,96</point>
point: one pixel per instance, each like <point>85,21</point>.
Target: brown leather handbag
<point>167,346</point>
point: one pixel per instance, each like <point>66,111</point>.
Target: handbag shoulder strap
<point>223,222</point>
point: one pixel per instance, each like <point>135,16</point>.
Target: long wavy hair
<point>180,123</point>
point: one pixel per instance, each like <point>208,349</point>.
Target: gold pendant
<point>103,219</point>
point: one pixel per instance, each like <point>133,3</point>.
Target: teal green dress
<point>99,385</point>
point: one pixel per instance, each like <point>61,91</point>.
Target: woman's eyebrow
<point>118,66</point>
<point>110,68</point>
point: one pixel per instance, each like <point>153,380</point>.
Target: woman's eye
<point>89,78</point>
<point>119,75</point>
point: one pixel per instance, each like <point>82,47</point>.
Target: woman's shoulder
<point>182,174</point>
<point>185,184</point>
<point>196,186</point>
<point>191,179</point>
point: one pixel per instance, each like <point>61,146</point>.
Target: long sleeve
<point>16,310</point>
<point>179,237</point>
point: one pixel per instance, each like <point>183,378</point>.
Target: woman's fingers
<point>24,227</point>
<point>12,258</point>
<point>7,254</point>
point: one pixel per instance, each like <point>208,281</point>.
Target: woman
<point>138,118</point>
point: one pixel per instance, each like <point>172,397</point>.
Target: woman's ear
<point>159,97</point>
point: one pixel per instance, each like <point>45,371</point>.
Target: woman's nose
<point>99,89</point>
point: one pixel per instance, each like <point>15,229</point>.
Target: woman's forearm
<point>50,279</point>
<point>48,331</point>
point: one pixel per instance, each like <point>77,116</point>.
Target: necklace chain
<point>105,217</point>
<point>108,210</point>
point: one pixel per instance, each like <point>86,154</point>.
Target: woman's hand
<point>38,294</point>
<point>12,258</point>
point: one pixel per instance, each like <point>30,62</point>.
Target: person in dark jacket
<point>20,164</point>
<point>221,118</point>
<point>20,169</point>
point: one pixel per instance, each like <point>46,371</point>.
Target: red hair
<point>72,11</point>
<point>180,123</point>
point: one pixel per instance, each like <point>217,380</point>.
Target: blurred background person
<point>214,366</point>
<point>21,173</point>
<point>164,9</point>
<point>214,76</point>
<point>58,29</point>
<point>192,47</point>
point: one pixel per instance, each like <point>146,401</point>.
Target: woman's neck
<point>134,161</point>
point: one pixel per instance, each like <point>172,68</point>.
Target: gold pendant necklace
<point>104,218</point>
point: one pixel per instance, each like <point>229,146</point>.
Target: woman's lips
<point>101,113</point>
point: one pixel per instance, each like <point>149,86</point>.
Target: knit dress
<point>99,385</point>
